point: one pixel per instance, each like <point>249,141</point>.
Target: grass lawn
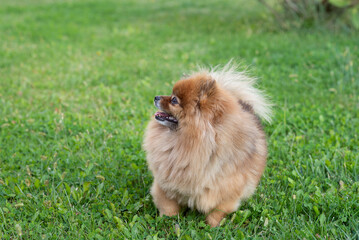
<point>77,81</point>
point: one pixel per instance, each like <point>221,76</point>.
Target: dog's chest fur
<point>181,165</point>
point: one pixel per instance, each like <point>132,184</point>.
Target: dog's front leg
<point>165,205</point>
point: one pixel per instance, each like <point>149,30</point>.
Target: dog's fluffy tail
<point>242,87</point>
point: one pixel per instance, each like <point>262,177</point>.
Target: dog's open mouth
<point>162,116</point>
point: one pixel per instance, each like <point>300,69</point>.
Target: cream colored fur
<point>241,86</point>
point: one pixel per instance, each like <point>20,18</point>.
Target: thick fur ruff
<point>211,157</point>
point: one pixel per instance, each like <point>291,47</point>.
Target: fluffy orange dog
<point>206,147</point>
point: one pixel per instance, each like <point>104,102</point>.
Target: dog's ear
<point>207,88</point>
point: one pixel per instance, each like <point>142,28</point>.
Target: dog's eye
<point>174,100</point>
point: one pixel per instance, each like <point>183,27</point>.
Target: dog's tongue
<point>162,114</point>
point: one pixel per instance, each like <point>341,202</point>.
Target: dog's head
<point>193,96</point>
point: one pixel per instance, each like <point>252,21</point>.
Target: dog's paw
<point>214,218</point>
<point>169,212</point>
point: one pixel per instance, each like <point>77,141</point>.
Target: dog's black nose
<point>157,98</point>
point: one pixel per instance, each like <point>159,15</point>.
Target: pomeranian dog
<point>205,146</point>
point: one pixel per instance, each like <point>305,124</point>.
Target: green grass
<point>77,80</point>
